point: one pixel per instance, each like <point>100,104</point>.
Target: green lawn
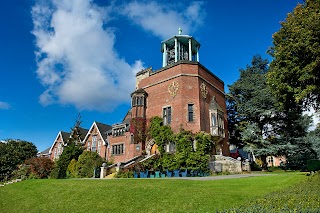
<point>139,195</point>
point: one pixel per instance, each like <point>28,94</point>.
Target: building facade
<point>183,92</point>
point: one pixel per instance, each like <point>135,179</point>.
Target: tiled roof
<point>83,132</point>
<point>46,151</point>
<point>65,136</point>
<point>103,128</point>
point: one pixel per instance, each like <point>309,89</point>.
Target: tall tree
<point>295,71</point>
<point>13,153</point>
<point>251,109</point>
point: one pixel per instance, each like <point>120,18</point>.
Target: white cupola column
<point>164,61</point>
<point>176,49</point>
<point>190,50</point>
<point>197,53</point>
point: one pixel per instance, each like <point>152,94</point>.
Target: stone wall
<point>221,163</point>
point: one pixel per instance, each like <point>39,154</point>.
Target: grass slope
<point>138,195</point>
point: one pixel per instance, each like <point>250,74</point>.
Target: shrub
<point>313,165</point>
<point>126,173</point>
<point>72,169</point>
<point>71,151</point>
<point>12,154</point>
<point>34,168</point>
<point>88,161</point>
<point>255,167</point>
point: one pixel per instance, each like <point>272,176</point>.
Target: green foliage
<point>124,174</point>
<point>192,150</point>
<point>252,109</point>
<point>72,169</point>
<point>313,165</point>
<point>295,70</point>
<point>87,162</point>
<point>14,153</point>
<point>160,133</point>
<point>184,141</point>
<point>71,151</point>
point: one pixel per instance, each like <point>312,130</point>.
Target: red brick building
<point>183,92</point>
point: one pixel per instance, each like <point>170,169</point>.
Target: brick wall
<point>188,76</point>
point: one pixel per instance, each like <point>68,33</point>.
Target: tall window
<point>89,148</point>
<point>99,146</point>
<point>190,112</point>
<point>118,149</point>
<point>94,143</point>
<point>213,119</point>
<point>167,115</point>
<point>55,153</point>
<point>59,148</point>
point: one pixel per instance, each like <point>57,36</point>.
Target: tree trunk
<point>264,163</point>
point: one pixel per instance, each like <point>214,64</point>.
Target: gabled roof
<point>46,151</point>
<point>64,135</point>
<point>82,132</point>
<point>102,129</point>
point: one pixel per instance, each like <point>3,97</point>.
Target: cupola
<point>179,48</point>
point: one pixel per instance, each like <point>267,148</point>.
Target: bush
<point>72,169</point>
<point>12,154</point>
<point>55,172</point>
<point>35,168</point>
<point>126,173</point>
<point>87,162</point>
<point>71,151</point>
<point>313,165</point>
<point>255,167</point>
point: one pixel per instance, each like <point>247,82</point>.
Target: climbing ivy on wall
<point>160,133</point>
<point>138,129</point>
<point>192,150</point>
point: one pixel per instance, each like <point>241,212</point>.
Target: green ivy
<point>187,156</point>
<point>160,133</point>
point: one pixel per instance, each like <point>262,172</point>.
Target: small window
<point>171,147</point>
<point>166,115</point>
<point>190,112</point>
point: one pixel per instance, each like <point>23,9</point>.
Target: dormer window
<point>118,130</point>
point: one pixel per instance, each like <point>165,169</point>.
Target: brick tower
<point>183,92</point>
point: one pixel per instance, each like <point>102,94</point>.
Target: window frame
<point>167,115</point>
<point>190,112</point>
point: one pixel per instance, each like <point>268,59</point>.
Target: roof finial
<point>180,31</point>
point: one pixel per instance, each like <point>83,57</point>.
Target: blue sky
<point>62,57</point>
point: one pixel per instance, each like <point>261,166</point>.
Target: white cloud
<point>76,59</point>
<point>4,105</point>
<point>164,20</point>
